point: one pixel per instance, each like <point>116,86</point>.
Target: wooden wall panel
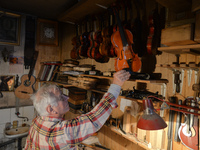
<point>47,53</point>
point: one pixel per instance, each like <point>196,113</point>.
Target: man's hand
<point>120,77</point>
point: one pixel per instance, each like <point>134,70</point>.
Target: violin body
<point>126,58</point>
<point>73,51</point>
<point>95,53</point>
<point>85,43</point>
<point>105,46</point>
<point>74,54</point>
<point>153,41</point>
<point>91,37</point>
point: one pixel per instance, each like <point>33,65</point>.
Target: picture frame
<point>47,32</point>
<point>10,27</point>
<point>7,82</point>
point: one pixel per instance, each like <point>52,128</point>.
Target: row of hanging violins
<point>125,41</point>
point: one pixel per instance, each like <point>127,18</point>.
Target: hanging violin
<point>76,43</point>
<point>153,41</point>
<point>122,40</point>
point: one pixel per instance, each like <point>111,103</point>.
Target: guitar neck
<point>33,65</point>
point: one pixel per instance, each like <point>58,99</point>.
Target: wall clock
<point>47,32</point>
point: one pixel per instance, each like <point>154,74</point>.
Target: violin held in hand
<point>122,40</point>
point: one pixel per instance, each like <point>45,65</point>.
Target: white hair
<point>48,94</point>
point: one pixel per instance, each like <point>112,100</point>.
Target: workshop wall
<point>9,102</point>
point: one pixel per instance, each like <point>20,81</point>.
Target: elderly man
<point>51,131</point>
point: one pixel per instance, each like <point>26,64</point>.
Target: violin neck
<point>121,30</point>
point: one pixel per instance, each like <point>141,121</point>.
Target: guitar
<point>25,89</point>
<point>188,131</point>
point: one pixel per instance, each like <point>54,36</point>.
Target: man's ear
<point>49,109</point>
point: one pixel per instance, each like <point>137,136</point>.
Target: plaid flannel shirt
<point>55,133</point>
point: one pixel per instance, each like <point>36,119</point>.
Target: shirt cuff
<point>114,90</point>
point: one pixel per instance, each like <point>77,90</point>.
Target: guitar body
<point>190,140</point>
<point>25,89</point>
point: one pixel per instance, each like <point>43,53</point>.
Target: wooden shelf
<point>93,90</point>
<point>129,137</point>
<point>106,77</point>
<point>182,49</point>
<point>83,8</point>
<point>179,67</point>
<point>134,80</point>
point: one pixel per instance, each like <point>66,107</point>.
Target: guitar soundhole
<point>27,82</point>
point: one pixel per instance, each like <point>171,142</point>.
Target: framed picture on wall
<point>7,82</point>
<point>47,32</point>
<point>10,28</point>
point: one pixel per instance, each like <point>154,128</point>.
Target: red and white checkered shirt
<point>55,133</point>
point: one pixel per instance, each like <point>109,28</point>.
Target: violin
<point>112,52</point>
<point>76,43</point>
<point>96,55</point>
<point>73,51</point>
<point>105,46</point>
<point>122,40</point>
<point>91,40</point>
<point>137,32</point>
<point>85,43</point>
<point>153,40</point>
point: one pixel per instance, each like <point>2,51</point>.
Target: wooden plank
<point>101,135</point>
<point>197,27</point>
<point>107,138</point>
<point>117,113</point>
<point>127,120</point>
<point>182,49</point>
<point>180,35</point>
<point>138,145</point>
<point>176,5</point>
<point>195,5</point>
<point>179,22</point>
<point>83,8</point>
<point>134,125</point>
